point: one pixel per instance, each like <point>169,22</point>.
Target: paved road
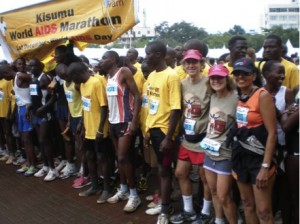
<point>30,200</point>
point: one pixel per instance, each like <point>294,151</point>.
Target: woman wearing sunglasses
<point>253,145</point>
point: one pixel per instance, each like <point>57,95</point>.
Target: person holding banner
<point>124,105</point>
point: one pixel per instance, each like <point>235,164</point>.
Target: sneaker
<point>61,165</point>
<point>162,219</point>
<point>154,203</point>
<point>4,158</point>
<point>2,152</point>
<point>203,219</point>
<point>31,170</point>
<point>104,196</point>
<point>119,196</point>
<point>52,175</point>
<point>183,217</point>
<point>81,182</point>
<point>91,191</point>
<point>42,172</point>
<point>132,204</point>
<point>10,160</point>
<point>65,168</point>
<point>23,169</point>
<point>70,171</point>
<point>154,210</point>
<point>19,161</point>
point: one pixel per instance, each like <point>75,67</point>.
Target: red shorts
<point>196,158</point>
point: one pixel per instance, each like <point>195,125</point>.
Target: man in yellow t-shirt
<point>272,51</point>
<point>5,97</point>
<point>96,140</point>
<point>164,100</point>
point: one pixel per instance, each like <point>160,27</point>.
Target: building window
<point>293,9</point>
<point>273,18</point>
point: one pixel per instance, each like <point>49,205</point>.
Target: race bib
<point>69,96</point>
<point>210,146</point>
<point>1,95</point>
<point>86,104</point>
<point>33,89</point>
<point>112,89</point>
<point>144,101</point>
<point>189,126</point>
<point>153,106</point>
<point>241,116</point>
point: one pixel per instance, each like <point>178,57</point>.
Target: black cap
<point>244,64</point>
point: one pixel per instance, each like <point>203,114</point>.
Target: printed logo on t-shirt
<point>192,106</point>
<point>217,121</point>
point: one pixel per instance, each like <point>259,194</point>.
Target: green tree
<point>237,30</point>
<point>284,34</point>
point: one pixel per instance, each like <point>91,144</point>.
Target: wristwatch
<point>265,165</point>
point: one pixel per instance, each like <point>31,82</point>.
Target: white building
<point>284,15</point>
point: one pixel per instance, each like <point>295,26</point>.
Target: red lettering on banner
<point>82,38</point>
<point>46,29</point>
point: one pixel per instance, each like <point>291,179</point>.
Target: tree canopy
<point>179,33</point>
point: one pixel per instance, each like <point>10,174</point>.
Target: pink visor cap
<point>193,54</point>
<point>218,70</point>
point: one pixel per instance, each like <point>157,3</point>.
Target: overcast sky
<point>212,15</point>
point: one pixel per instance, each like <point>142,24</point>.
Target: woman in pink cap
<point>217,162</point>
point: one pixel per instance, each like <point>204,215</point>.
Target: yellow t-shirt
<point>12,101</point>
<point>180,72</point>
<point>93,95</point>
<point>74,100</point>
<point>206,69</point>
<point>144,109</point>
<point>230,69</point>
<point>5,91</point>
<point>139,80</point>
<point>164,95</point>
<point>291,74</point>
<point>137,65</point>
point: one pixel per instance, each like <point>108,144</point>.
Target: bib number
<point>145,101</point>
<point>210,146</point>
<point>86,104</point>
<point>153,106</point>
<point>241,116</point>
<point>112,89</point>
<point>33,89</point>
<point>69,96</point>
<point>189,126</point>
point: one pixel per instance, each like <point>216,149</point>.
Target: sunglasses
<point>242,73</point>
